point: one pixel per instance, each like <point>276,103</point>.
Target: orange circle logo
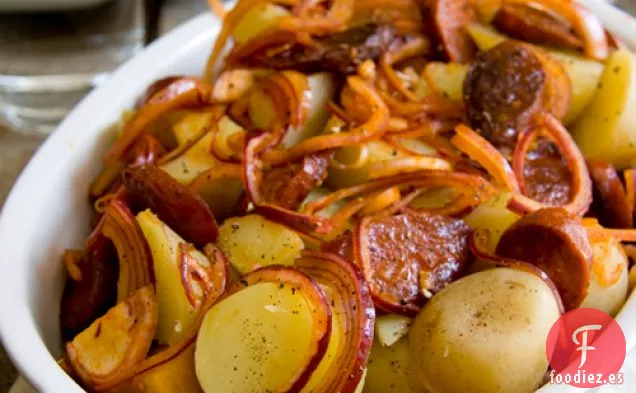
<point>586,348</point>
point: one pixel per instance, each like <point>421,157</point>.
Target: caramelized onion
<point>353,308</point>
<point>401,166</point>
<point>135,261</point>
<point>117,342</point>
<point>581,183</point>
<point>479,245</point>
<point>373,128</point>
<point>525,142</point>
<point>381,200</point>
<point>183,92</point>
<point>630,189</point>
<point>482,151</point>
<point>221,279</point>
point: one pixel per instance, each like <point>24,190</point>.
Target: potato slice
<point>607,129</point>
<point>446,78</point>
<point>176,312</point>
<point>176,375</point>
<point>268,336</point>
<point>390,328</point>
<point>494,217</point>
<point>584,73</point>
<point>259,18</point>
<point>117,341</point>
<point>473,335</point>
<point>193,161</point>
<point>252,241</point>
<point>389,369</point>
<point>609,281</point>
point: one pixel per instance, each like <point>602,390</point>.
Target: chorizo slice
<point>88,298</point>
<point>288,186</point>
<point>450,19</point>
<point>547,177</point>
<point>503,91</point>
<point>409,256</point>
<point>179,207</point>
<point>533,25</point>
<point>555,241</point>
<point>610,201</point>
<point>340,52</point>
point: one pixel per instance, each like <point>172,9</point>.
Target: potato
<point>494,217</point>
<point>255,340</point>
<point>389,369</point>
<point>191,126</point>
<point>259,18</point>
<point>608,286</point>
<point>607,129</point>
<point>252,241</point>
<point>446,78</point>
<point>175,311</point>
<point>194,161</point>
<point>584,73</point>
<point>176,375</point>
<point>227,129</point>
<point>485,332</point>
<point>390,328</point>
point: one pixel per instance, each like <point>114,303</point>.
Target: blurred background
<point>53,52</point>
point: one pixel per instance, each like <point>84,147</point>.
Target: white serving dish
<point>47,5</point>
<point>47,211</point>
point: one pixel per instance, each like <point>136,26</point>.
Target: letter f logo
<point>584,347</point>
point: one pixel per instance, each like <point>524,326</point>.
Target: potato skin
<point>484,333</point>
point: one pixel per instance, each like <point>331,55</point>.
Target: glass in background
<point>50,59</point>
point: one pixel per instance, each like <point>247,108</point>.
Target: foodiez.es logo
<point>586,348</point>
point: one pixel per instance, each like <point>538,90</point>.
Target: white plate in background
<point>47,5</point>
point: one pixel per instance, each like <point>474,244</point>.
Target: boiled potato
<point>259,18</point>
<point>255,340</point>
<point>191,126</point>
<point>226,130</point>
<point>389,369</point>
<point>584,73</point>
<point>493,216</point>
<point>252,241</point>
<point>607,129</point>
<point>176,375</point>
<point>194,161</point>
<point>175,311</point>
<point>390,328</point>
<point>485,332</point>
<point>608,286</point>
<point>447,78</point>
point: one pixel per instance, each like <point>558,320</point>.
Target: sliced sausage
<point>532,25</point>
<point>288,186</point>
<point>342,245</point>
<point>407,255</point>
<point>609,201</point>
<point>180,208</point>
<point>85,300</point>
<point>450,19</point>
<point>340,52</point>
<point>547,177</point>
<point>555,241</point>
<point>503,91</point>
